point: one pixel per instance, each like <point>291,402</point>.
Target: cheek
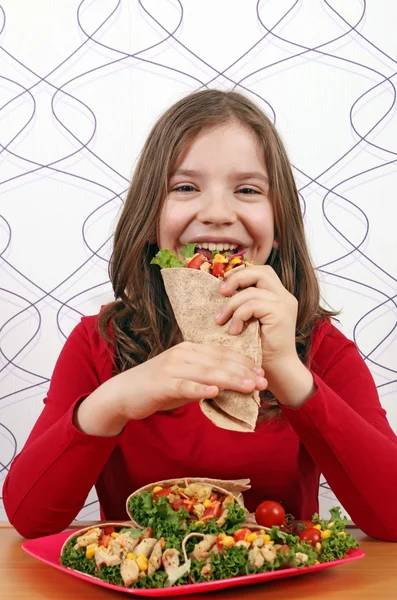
<point>172,222</point>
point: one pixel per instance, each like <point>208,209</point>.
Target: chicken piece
<point>90,537</point>
<point>222,519</point>
<point>201,550</point>
<point>228,501</point>
<point>301,558</point>
<point>199,510</point>
<point>206,268</point>
<point>130,543</point>
<point>170,560</point>
<point>255,558</point>
<point>155,557</point>
<point>268,553</point>
<point>198,492</point>
<point>242,544</point>
<point>259,542</point>
<point>104,557</point>
<point>129,571</point>
<point>145,547</point>
<point>206,570</point>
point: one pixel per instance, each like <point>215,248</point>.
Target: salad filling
<point>214,262</point>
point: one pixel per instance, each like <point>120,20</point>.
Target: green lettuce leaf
<point>166,260</point>
<point>188,251</point>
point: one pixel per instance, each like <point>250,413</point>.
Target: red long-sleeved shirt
<point>341,431</point>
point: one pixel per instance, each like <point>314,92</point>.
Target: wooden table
<point>373,577</point>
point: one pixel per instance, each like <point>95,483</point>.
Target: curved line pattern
<point>364,156</point>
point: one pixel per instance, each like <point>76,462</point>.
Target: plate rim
<point>189,588</point>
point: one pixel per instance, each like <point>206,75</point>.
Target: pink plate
<point>48,549</point>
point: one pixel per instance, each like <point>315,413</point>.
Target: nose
<point>216,209</point>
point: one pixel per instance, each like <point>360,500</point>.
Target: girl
<point>122,409</point>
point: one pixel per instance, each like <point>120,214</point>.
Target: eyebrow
<point>236,175</point>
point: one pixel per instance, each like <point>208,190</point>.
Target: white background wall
<point>81,82</point>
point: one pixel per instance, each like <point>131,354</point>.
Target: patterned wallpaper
<point>82,81</point>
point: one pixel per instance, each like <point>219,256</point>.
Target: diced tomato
<point>218,269</point>
<point>241,534</point>
<point>178,502</point>
<point>214,497</point>
<point>212,512</point>
<point>163,492</point>
<point>284,548</point>
<point>108,530</point>
<point>196,261</point>
<point>148,533</point>
<point>104,540</point>
<point>218,542</point>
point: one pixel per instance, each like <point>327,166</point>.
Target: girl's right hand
<point>185,373</point>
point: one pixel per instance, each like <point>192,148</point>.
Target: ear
<point>152,240</point>
<point>275,244</point>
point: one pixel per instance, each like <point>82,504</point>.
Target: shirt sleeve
<point>344,428</point>
<point>50,479</point>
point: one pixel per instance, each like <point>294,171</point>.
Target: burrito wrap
<point>195,299</point>
<point>225,486</point>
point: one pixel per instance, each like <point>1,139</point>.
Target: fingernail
<point>260,381</point>
<point>258,371</point>
<point>218,316</point>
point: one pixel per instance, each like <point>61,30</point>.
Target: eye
<point>184,188</point>
<point>247,191</point>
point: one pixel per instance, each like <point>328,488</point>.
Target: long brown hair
<point>143,324</point>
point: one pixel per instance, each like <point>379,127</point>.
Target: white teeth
<point>221,247</point>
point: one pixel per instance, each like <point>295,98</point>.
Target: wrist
<point>99,414</point>
<point>290,381</point>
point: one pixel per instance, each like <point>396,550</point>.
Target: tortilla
<point>224,486</point>
<point>195,300</point>
<point>78,532</point>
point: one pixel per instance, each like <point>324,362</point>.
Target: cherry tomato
<point>104,540</point>
<point>299,525</point>
<point>196,261</point>
<point>148,533</point>
<point>310,535</point>
<point>270,513</point>
<point>163,492</point>
<point>241,534</point>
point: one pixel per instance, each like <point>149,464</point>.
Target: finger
<point>238,300</point>
<point>192,390</point>
<point>252,309</point>
<point>262,277</point>
<point>219,353</point>
<point>222,379</point>
<point>222,361</point>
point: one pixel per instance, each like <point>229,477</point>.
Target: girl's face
<point>218,196</point>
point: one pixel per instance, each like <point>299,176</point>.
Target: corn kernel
<point>342,534</point>
<point>115,534</point>
<point>142,562</point>
<point>236,261</point>
<point>318,548</point>
<point>251,537</point>
<point>207,503</point>
<point>131,556</point>
<point>219,258</point>
<point>156,489</point>
<point>228,541</point>
<point>90,550</point>
<point>267,539</point>
<point>330,524</point>
<point>316,562</point>
<point>325,534</point>
<point>317,527</point>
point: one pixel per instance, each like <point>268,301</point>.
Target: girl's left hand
<point>263,297</point>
